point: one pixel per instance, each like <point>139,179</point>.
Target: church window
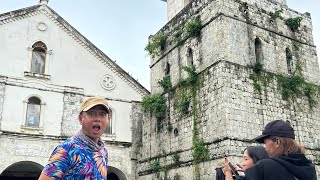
<point>33,115</point>
<point>38,67</point>
<point>38,58</point>
<point>258,50</point>
<point>289,61</point>
<point>33,112</point>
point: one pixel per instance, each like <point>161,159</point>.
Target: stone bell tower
<point>175,6</point>
<point>234,66</point>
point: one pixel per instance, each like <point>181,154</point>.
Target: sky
<point>120,28</point>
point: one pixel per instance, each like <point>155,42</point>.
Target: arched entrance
<point>115,174</point>
<point>25,170</point>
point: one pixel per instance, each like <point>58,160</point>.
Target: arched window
<point>289,61</point>
<point>258,50</point>
<point>38,57</point>
<point>189,57</point>
<point>167,69</point>
<point>33,112</point>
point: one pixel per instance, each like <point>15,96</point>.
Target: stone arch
<point>258,50</point>
<point>115,174</point>
<point>26,170</point>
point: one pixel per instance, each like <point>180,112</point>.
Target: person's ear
<point>80,118</point>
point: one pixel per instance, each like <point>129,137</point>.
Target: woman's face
<point>271,147</point>
<point>247,160</point>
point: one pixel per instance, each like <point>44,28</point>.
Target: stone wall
<point>16,148</point>
<point>230,114</point>
<point>137,120</point>
<point>232,26</point>
<point>70,123</point>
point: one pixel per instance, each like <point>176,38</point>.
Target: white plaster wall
<point>68,59</point>
<point>13,115</point>
<point>122,124</point>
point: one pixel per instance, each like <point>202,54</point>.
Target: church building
<point>47,68</point>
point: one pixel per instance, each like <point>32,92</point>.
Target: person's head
<point>252,154</point>
<point>220,174</point>
<point>278,137</point>
<point>94,116</point>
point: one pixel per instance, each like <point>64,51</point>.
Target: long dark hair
<point>256,153</point>
<point>219,174</point>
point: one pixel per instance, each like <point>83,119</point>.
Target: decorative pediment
<point>77,36</point>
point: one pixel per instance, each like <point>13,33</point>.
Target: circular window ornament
<point>42,26</point>
<point>107,82</point>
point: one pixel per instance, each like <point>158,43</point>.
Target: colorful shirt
<point>73,159</point>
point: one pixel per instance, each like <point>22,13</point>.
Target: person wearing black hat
<point>287,160</point>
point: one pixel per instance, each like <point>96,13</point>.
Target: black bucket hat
<point>278,128</point>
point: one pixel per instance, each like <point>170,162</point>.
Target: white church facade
<point>47,68</point>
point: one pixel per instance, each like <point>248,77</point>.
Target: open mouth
<point>96,128</point>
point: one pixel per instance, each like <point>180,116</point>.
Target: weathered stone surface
<point>230,110</point>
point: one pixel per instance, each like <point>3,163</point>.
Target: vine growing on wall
<point>291,87</point>
<point>156,105</point>
<point>157,43</point>
<point>193,27</point>
<point>276,14</point>
<point>165,83</point>
<point>258,77</point>
<point>293,23</point>
<point>192,84</point>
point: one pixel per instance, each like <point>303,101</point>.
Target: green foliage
<point>257,77</point>
<point>192,79</point>
<point>193,27</point>
<point>183,104</point>
<point>176,158</point>
<point>155,104</point>
<point>200,151</point>
<point>177,38</point>
<point>165,171</point>
<point>165,83</point>
<point>155,166</point>
<point>291,86</point>
<point>157,42</point>
<point>257,67</point>
<point>276,14</point>
<point>296,86</point>
<point>310,91</point>
<point>293,23</point>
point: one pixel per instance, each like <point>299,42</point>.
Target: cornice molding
<point>39,84</point>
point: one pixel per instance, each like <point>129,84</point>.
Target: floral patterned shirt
<point>73,159</point>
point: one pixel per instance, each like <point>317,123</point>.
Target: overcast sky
<point>120,28</point>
